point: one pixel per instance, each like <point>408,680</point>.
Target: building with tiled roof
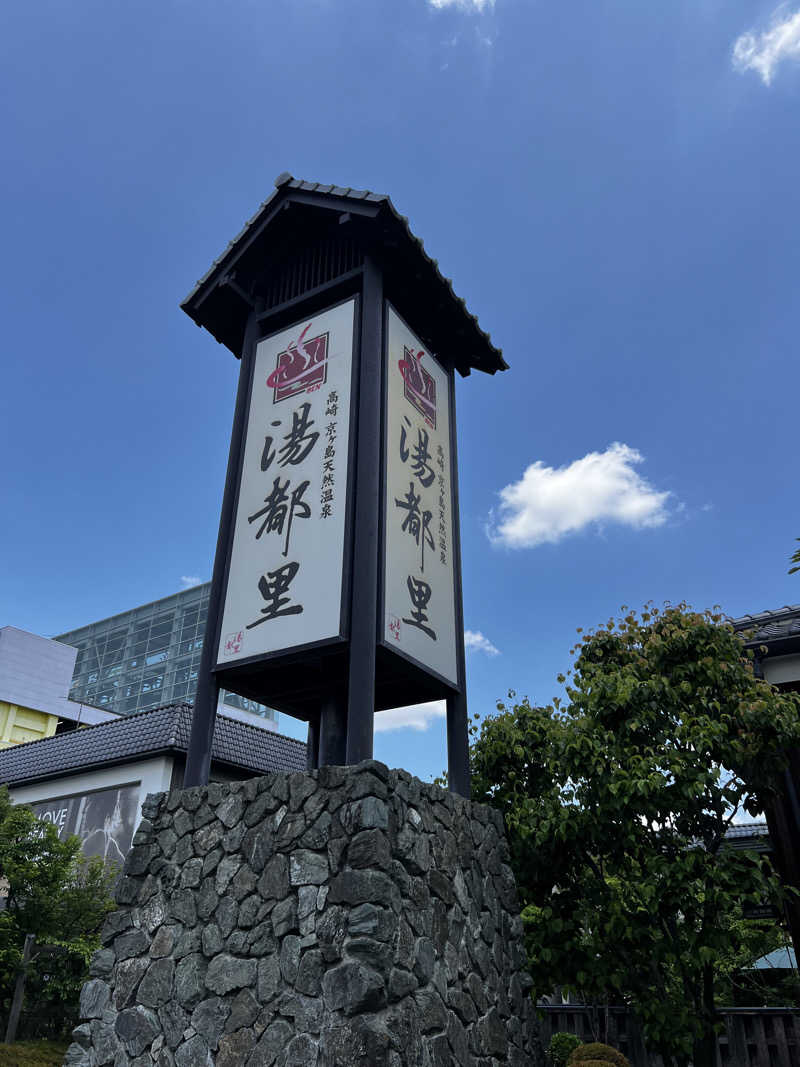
<point>775,638</point>
<point>92,781</point>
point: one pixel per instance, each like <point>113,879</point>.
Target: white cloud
<point>415,716</point>
<point>474,641</point>
<point>546,504</point>
<point>188,580</point>
<point>762,52</point>
<point>465,5</point>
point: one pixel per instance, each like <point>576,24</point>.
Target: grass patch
<point>32,1054</point>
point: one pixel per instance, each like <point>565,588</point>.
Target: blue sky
<point>613,187</point>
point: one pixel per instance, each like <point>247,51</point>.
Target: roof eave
<point>72,772</point>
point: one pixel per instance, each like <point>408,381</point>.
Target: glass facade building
<point>147,657</point>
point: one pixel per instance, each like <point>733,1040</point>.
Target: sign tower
<point>336,589</point>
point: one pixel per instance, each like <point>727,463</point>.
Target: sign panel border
<point>229,670</point>
<point>448,370</point>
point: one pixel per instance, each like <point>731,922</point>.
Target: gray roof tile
<point>749,835</point>
<point>160,730</point>
<point>747,829</point>
<point>771,625</point>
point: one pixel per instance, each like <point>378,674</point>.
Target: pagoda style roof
<point>299,214</point>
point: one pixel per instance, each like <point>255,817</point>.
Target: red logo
<point>419,388</point>
<point>302,368</point>
<point>233,644</point>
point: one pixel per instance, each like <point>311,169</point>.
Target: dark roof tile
<point>747,829</point>
<point>165,729</point>
<point>771,625</point>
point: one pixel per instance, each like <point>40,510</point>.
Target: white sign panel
<point>419,583</point>
<point>285,577</point>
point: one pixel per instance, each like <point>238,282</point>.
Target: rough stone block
<point>209,1019</point>
<point>137,1028</point>
<point>155,988</point>
<point>94,999</point>
<point>308,868</point>
<point>227,972</point>
<point>353,988</point>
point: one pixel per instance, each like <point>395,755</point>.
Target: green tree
<point>62,898</point>
<point>617,807</point>
<point>737,983</point>
<point>795,559</point>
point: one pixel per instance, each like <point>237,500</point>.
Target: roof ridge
<point>175,725</point>
<point>787,609</point>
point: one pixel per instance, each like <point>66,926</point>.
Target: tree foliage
<point>795,559</point>
<point>617,805</point>
<point>737,982</point>
<point>56,894</point>
<point>560,1047</point>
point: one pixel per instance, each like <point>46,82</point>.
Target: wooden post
<point>333,732</point>
<point>364,619</point>
<point>458,770</point>
<point>779,1024</point>
<point>19,990</point>
<point>737,1041</point>
<point>204,714</point>
<point>312,744</point>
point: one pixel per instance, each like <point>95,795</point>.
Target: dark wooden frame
<point>454,695</point>
<point>344,606</point>
<point>340,715</point>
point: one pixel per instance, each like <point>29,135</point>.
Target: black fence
<point>753,1037</point>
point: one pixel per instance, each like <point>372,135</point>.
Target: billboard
<point>419,573</point>
<point>105,820</point>
<point>284,583</point>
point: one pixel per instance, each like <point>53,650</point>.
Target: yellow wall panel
<point>18,724</point>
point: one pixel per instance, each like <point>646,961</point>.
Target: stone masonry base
<point>349,917</point>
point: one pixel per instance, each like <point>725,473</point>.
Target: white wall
<point>153,776</point>
<point>779,669</point>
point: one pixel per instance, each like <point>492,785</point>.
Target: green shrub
<point>561,1044</point>
<point>590,1063</point>
<point>595,1053</point>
